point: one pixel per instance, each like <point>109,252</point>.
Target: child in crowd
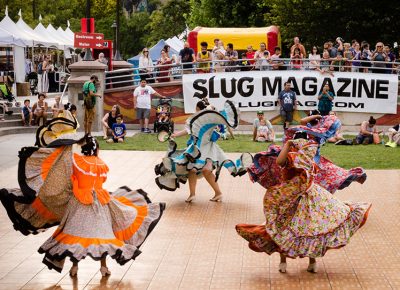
<point>118,131</point>
<point>244,64</point>
<point>348,56</point>
<point>394,136</point>
<point>163,116</point>
<point>57,106</point>
<point>264,134</point>
<point>27,113</point>
<point>297,62</point>
<point>325,63</point>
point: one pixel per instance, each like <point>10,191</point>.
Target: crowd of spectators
<point>333,56</point>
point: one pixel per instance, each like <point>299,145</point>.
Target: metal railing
<point>174,71</point>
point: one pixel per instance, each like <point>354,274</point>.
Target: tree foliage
<point>314,21</point>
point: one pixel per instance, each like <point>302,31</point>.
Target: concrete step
<point>10,122</point>
<point>17,130</point>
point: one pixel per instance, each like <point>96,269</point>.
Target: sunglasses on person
<point>145,51</point>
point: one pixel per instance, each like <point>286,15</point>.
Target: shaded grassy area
<point>367,156</point>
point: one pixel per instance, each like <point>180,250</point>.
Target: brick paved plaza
<point>195,246</point>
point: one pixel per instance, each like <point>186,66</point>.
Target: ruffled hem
<point>20,223</point>
<point>313,246</point>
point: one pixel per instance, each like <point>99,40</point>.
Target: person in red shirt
<point>250,54</point>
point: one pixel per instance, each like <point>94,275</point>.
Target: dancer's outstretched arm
<point>282,157</point>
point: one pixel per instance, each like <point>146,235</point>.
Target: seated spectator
<point>4,110</point>
<point>379,57</point>
<point>57,106</point>
<point>298,45</point>
<point>314,59</point>
<point>146,66</point>
<point>325,98</point>
<point>118,131</point>
<point>39,110</point>
<point>108,120</point>
<point>338,134</point>
<point>164,65</point>
<point>163,114</point>
<point>368,133</point>
<point>232,56</point>
<point>394,136</point>
<point>262,129</point>
<point>296,59</point>
<point>245,64</point>
<point>26,113</point>
<point>102,59</point>
<point>204,59</point>
<point>276,62</point>
<point>348,57</point>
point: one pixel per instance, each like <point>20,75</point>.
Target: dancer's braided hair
<point>91,146</point>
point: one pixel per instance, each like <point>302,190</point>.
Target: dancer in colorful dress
<point>203,155</point>
<point>330,176</point>
<point>61,184</point>
<point>302,218</point>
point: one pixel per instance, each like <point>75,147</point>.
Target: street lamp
<point>88,53</point>
<point>115,25</point>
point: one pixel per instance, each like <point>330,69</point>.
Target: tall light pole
<point>88,52</point>
<point>115,25</point>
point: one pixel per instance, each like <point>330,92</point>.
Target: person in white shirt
<point>146,66</point>
<point>262,129</point>
<point>142,103</point>
<point>315,58</point>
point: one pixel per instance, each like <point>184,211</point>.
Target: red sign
<point>88,40</point>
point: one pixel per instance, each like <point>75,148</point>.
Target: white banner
<point>259,90</point>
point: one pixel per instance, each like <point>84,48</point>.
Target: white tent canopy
<point>60,37</point>
<point>8,25</point>
<point>40,29</point>
<point>175,43</point>
<point>7,38</point>
<point>65,35</point>
<point>38,39</point>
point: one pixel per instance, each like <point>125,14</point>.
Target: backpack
<point>40,68</point>
<point>87,99</point>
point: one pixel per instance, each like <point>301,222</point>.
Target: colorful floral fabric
<point>302,218</point>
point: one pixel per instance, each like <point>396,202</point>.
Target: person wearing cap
<point>89,90</point>
<point>262,124</point>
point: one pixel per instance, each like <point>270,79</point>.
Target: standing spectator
<point>232,57</point>
<point>90,95</point>
<point>325,99</point>
<point>338,47</point>
<point>167,48</point>
<point>394,136</point>
<point>250,54</point>
<point>391,59</point>
<point>368,133</point>
<point>204,58</point>
<point>109,119</point>
<point>245,64</point>
<point>45,75</point>
<point>355,64</point>
<point>314,58</point>
<point>39,110</point>
<point>187,57</point>
<point>353,46</point>
<point>218,56</point>
<point>365,57</point>
<point>118,131</point>
<point>276,62</point>
<point>102,59</point>
<point>379,58</point>
<point>267,133</point>
<point>146,66</point>
<point>288,104</point>
<point>348,56</point>
<point>26,113</point>
<point>164,63</point>
<point>325,67</point>
<point>261,57</point>
<point>142,103</point>
<point>57,106</point>
<point>296,59</point>
<point>298,45</point>
<point>338,63</point>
